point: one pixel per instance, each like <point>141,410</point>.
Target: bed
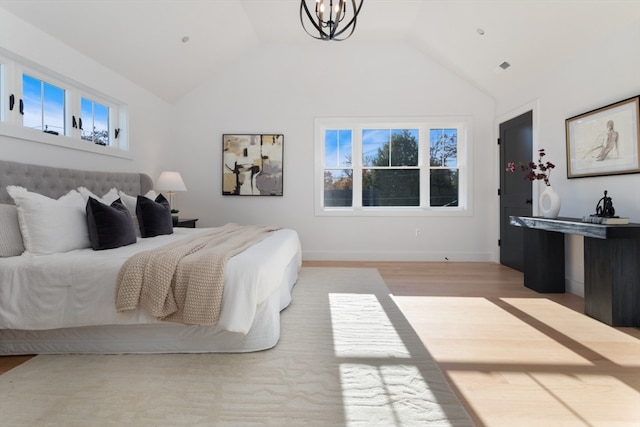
<point>63,301</point>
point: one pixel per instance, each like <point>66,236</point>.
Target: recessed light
<point>185,39</point>
<point>480,31</point>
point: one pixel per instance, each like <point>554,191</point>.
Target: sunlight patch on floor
<point>540,368</point>
<point>380,392</point>
<point>361,328</point>
<point>472,329</point>
<point>597,337</point>
<point>557,394</point>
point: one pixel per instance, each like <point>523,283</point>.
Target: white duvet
<point>77,288</point>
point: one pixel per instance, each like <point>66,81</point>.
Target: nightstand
<point>186,222</point>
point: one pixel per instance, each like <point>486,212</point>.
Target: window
<point>40,105</point>
<point>391,166</point>
<point>444,176</point>
<point>338,173</point>
<point>391,173</point>
<point>43,106</point>
<point>94,122</point>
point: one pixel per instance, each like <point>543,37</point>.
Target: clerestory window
<point>40,105</point>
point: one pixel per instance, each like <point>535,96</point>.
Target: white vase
<point>549,203</point>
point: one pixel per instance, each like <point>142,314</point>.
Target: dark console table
<point>611,264</point>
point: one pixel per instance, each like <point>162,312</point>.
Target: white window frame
<point>13,67</point>
<point>423,124</point>
<point>113,121</point>
<point>36,74</point>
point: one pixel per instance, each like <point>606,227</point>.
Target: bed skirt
<point>158,337</point>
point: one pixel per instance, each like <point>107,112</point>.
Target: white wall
<point>593,77</point>
<point>277,89</point>
<point>282,89</point>
<point>148,114</point>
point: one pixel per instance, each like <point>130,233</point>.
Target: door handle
<point>529,201</point>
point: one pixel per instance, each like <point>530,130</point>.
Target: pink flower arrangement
<point>534,171</point>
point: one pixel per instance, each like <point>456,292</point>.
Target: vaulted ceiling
<point>142,39</point>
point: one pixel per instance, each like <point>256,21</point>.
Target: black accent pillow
<point>109,226</point>
<point>154,217</point>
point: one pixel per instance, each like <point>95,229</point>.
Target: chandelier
<point>327,21</point>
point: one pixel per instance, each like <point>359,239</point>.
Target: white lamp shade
<point>170,181</point>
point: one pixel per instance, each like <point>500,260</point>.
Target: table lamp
<point>170,182</point>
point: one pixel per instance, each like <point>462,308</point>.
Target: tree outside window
<point>393,175</point>
<point>443,162</point>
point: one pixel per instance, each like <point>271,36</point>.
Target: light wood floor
<point>514,357</point>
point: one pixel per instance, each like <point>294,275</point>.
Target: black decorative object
<point>604,208</point>
<point>605,213</point>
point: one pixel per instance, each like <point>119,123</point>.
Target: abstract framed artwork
<point>252,164</point>
<point>605,141</point>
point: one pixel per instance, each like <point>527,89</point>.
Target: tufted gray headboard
<point>54,182</point>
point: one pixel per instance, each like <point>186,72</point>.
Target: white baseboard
<point>573,287</point>
<point>398,256</point>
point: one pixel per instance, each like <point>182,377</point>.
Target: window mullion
<point>423,164</point>
<point>357,167</point>
<point>461,166</point>
<point>111,128</point>
<point>73,112</point>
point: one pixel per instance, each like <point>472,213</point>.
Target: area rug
<point>346,357</point>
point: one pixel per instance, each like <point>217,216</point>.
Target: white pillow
<point>107,199</point>
<point>49,225</point>
<point>131,201</point>
<point>11,240</point>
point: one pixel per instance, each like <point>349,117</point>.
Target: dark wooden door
<point>516,143</point>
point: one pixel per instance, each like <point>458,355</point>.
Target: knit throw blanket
<point>183,281</point>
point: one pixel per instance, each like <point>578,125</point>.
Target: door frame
<point>534,107</point>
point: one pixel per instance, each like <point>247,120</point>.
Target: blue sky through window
<point>43,105</point>
<point>337,148</point>
<point>95,120</point>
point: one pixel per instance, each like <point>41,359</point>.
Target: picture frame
<point>252,164</point>
<point>604,141</point>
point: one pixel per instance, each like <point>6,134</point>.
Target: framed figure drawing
<point>252,164</point>
<point>605,141</point>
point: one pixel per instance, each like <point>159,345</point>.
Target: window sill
<point>394,212</point>
<point>19,132</point>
